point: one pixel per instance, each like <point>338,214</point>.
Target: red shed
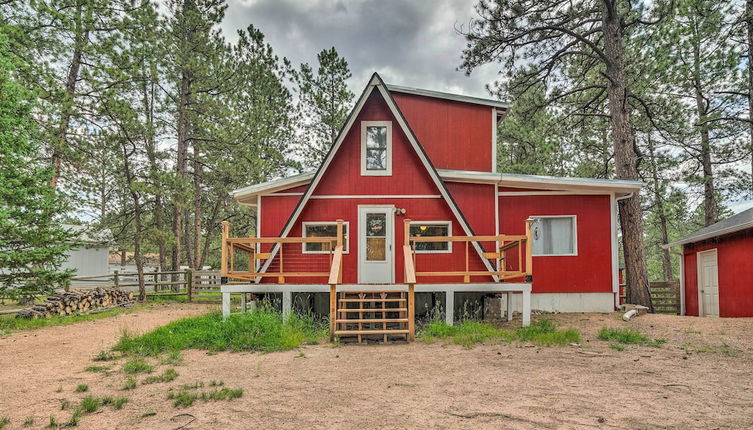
<point>413,179</point>
<point>717,268</point>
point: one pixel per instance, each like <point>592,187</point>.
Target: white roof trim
<point>247,195</point>
<point>722,232</point>
<point>448,96</point>
<point>536,181</point>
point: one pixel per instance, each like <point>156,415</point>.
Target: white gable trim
<point>376,82</point>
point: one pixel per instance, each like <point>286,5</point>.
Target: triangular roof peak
<point>376,83</point>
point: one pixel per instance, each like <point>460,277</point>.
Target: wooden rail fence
<point>665,295</point>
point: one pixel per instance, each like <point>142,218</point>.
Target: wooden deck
<point>377,309</point>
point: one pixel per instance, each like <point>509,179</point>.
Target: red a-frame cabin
<point>409,200</point>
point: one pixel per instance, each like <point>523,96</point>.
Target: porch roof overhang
<point>738,222</point>
<point>249,195</point>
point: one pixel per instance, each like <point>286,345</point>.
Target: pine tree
<point>32,242</point>
<point>324,103</point>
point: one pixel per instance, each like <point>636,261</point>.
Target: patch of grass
<point>64,404</point>
<point>29,421</point>
<point>75,418</point>
<point>222,394</point>
<point>105,356</point>
<point>4,421</point>
<point>214,383</point>
<point>59,389</point>
<point>617,346</point>
<point>173,358</point>
<point>97,369</point>
<point>53,424</point>
<point>9,323</point>
<point>81,388</point>
<point>723,349</point>
<point>182,399</point>
<point>119,402</point>
<point>90,404</point>
<point>166,376</point>
<point>629,337</point>
<point>263,330</point>
<point>691,331</point>
<point>130,383</point>
<point>137,365</point>
<point>469,333</point>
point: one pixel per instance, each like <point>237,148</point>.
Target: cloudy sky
<point>413,43</point>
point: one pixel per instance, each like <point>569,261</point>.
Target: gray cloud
<point>408,43</point>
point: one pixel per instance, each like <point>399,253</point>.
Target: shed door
<point>708,283</point>
<point>375,233</point>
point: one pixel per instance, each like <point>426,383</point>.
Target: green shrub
<point>166,376</point>
<point>262,330</point>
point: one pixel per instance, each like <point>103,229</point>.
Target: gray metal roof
<point>741,221</point>
<point>448,96</point>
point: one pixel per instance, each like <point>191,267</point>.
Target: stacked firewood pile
<point>78,301</point>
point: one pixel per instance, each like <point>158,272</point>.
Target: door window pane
<point>554,236</point>
<point>376,249</point>
<point>376,225</point>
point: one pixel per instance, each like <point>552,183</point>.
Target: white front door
<point>375,237</point>
<point>708,284</point>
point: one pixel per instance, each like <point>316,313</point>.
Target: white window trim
<point>346,248</point>
<point>388,171</point>
<point>449,233</point>
<point>575,236</point>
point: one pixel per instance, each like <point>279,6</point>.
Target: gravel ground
<point>701,378</point>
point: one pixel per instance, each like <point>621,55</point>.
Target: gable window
<point>554,235</point>
<point>431,229</point>
<point>376,148</point>
<point>323,229</point>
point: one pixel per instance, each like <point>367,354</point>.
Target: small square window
<point>376,148</point>
<point>431,229</point>
<point>325,229</point>
<point>554,235</point>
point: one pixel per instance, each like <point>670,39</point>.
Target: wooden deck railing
<point>249,245</point>
<point>505,244</point>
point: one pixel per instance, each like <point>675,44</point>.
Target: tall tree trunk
<point>184,101</point>
<point>187,243</point>
<point>197,212</point>
<point>749,25</point>
<point>625,159</point>
<point>137,213</point>
<point>211,224</point>
<point>662,215</point>
<point>709,195</point>
<point>148,90</point>
<point>60,143</point>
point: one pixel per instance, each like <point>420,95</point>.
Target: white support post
<point>449,311</point>
<point>243,303</point>
<point>509,306</point>
<point>526,307</point>
<point>287,303</point>
<point>225,305</point>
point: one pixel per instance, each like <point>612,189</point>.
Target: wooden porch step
<point>375,320</point>
<point>348,332</point>
<point>371,300</point>
<point>374,310</point>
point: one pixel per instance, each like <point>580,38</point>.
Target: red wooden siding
<point>455,135</point>
<point>343,178</point>
<point>735,274</point>
<point>591,269</point>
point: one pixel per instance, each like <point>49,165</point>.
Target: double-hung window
<point>323,229</point>
<point>376,148</point>
<point>554,235</point>
<point>431,229</point>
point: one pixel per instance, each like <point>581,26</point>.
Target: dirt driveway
<point>701,378</point>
